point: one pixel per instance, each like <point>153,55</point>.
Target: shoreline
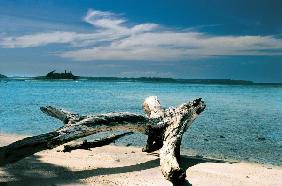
<point>146,80</point>
<point>120,165</point>
<point>6,136</point>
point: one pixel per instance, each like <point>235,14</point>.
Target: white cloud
<point>106,20</point>
<point>134,53</point>
<point>112,39</point>
<point>36,40</point>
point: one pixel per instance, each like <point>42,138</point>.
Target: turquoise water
<point>240,122</point>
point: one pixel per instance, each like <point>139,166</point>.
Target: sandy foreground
<point>115,165</point>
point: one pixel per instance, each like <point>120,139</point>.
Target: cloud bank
<point>113,39</point>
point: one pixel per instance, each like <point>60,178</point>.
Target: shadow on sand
<point>31,171</point>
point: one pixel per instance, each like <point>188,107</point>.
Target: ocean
<point>241,122</point>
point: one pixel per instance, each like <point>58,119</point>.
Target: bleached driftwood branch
<point>164,128</point>
<point>69,132</point>
<point>178,120</point>
<point>173,122</point>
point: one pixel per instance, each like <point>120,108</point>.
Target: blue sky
<point>239,39</point>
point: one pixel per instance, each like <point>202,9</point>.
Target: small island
<point>3,77</point>
<point>63,76</point>
<point>172,80</point>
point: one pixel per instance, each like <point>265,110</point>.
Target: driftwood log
<point>164,128</point>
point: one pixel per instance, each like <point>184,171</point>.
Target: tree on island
<point>2,76</point>
<point>65,75</point>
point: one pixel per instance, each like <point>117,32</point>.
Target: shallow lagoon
<point>240,121</point>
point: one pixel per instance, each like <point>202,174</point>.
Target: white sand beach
<point>116,165</point>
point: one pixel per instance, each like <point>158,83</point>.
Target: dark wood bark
<point>87,145</point>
